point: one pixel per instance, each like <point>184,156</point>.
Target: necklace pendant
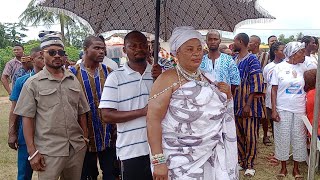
<point>203,84</point>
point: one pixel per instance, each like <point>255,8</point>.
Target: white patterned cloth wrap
<point>199,135</point>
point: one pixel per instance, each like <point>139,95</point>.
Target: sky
<point>292,17</point>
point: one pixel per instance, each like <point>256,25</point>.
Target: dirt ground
<point>8,167</point>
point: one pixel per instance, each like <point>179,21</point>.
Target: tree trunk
<point>62,26</point>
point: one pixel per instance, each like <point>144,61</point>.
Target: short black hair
<point>275,46</point>
<point>135,32</point>
<point>35,50</point>
<point>255,36</point>
<point>316,40</point>
<point>88,41</point>
<point>307,39</point>
<point>244,38</point>
<point>271,37</point>
<point>19,45</point>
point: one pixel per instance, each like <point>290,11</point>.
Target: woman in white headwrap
<point>190,121</point>
<point>288,107</point>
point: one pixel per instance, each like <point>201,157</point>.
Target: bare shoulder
<point>165,80</point>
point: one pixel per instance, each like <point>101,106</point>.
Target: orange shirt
<point>311,95</point>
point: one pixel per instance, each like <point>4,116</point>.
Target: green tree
<point>299,36</point>
<point>285,40</point>
<point>14,32</point>
<point>4,39</point>
<point>69,27</point>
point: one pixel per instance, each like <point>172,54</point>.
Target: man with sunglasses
<point>53,108</point>
<point>16,139</point>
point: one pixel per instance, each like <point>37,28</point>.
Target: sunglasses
<point>52,52</point>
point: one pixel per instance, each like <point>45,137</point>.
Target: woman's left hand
<point>225,88</point>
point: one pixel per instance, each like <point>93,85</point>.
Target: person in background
<point>254,48</point>
<point>272,39</point>
<point>107,61</point>
<point>53,109</point>
<point>224,49</point>
<point>248,109</point>
<point>12,67</point>
<point>310,62</point>
<point>26,68</point>
<point>276,57</point>
<point>15,136</point>
<point>219,67</point>
<point>162,61</point>
<point>310,78</point>
<point>314,53</point>
<point>124,102</point>
<point>288,100</point>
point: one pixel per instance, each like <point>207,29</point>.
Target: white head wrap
<point>181,35</point>
<point>292,48</point>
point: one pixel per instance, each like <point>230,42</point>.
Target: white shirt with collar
<point>127,90</point>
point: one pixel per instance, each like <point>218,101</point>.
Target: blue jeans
<point>24,167</point>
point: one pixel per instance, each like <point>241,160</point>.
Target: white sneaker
<point>250,172</point>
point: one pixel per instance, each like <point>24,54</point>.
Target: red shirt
<point>311,95</point>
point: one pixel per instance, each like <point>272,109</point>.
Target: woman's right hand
<point>160,172</point>
<point>275,116</point>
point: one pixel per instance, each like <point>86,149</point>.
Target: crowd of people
<point>194,116</point>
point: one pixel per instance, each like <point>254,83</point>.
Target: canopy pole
<point>157,30</point>
<point>314,138</point>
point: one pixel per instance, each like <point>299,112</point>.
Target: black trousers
<point>136,168</point>
<point>107,161</point>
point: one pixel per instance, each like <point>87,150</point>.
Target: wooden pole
<point>314,138</point>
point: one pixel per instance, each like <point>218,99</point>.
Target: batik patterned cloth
<point>199,134</point>
<point>224,69</point>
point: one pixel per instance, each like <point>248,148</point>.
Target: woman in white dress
<point>288,108</point>
<point>190,121</point>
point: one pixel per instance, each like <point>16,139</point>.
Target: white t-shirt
<point>290,82</point>
<point>267,75</point>
<point>110,63</point>
<point>310,62</point>
<point>127,90</point>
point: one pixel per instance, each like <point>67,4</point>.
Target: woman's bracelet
<point>158,159</point>
<point>33,155</point>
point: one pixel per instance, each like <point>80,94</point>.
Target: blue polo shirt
<point>14,97</point>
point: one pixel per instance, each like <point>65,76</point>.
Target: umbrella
<point>106,15</point>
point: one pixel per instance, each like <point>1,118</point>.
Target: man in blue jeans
<point>16,139</point>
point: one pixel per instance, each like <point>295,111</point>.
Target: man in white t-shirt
<point>124,102</point>
<point>310,61</point>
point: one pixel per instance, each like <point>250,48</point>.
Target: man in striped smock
<point>92,75</point>
<point>248,110</point>
<point>124,102</point>
<point>263,57</point>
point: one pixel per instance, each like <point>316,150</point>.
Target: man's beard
<point>213,48</point>
<point>237,49</point>
<point>140,60</point>
<point>54,67</point>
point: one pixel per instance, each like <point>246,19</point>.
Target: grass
<point>3,91</point>
<point>8,157</point>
